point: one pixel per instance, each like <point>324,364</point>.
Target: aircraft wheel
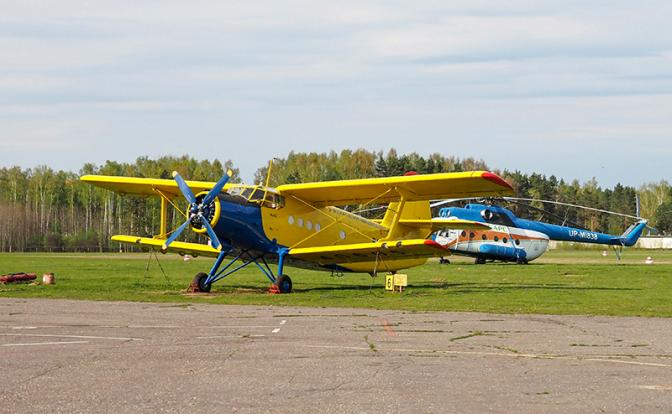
<point>284,284</point>
<point>521,261</point>
<point>479,260</point>
<point>444,261</point>
<point>199,280</point>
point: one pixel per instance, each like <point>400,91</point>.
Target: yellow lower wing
<point>182,248</point>
<point>368,252</point>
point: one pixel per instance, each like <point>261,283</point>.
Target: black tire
<point>521,261</point>
<point>444,261</point>
<point>479,261</point>
<point>199,280</point>
<point>284,284</point>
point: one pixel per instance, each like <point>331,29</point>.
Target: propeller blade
<point>217,188</point>
<point>184,188</point>
<point>175,235</point>
<point>214,241</point>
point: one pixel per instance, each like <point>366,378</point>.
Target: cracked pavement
<point>79,356</point>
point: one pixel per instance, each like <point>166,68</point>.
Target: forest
<point>46,210</point>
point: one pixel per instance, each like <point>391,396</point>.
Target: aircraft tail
<point>413,210</point>
<point>632,234</point>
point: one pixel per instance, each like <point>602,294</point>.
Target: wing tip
<point>496,179</point>
<point>432,243</point>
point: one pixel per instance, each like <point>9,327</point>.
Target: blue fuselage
<point>499,215</point>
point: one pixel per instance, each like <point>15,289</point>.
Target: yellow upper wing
<point>389,189</point>
<point>144,186</point>
<point>368,252</point>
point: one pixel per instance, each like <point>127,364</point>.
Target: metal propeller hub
<point>203,210</point>
<point>199,209</point>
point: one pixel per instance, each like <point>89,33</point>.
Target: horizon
<point>244,176</point>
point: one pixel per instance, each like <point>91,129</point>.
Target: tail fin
<point>413,210</point>
<point>633,233</point>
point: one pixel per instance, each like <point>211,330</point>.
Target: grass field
<point>562,282</point>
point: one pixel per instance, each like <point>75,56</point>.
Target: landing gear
<point>284,284</point>
<point>479,261</point>
<point>444,261</point>
<point>521,261</point>
<point>200,282</point>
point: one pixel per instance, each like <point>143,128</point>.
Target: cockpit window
<point>239,191</point>
<point>499,218</point>
<point>259,196</point>
<point>274,200</point>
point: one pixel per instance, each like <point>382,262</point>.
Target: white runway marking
<point>656,387</point>
<point>47,343</point>
<point>229,336</point>
<point>76,336</point>
<point>282,322</point>
<point>153,326</point>
<point>498,354</point>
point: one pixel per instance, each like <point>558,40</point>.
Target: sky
<point>571,88</point>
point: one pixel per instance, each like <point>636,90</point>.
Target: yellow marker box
<point>392,282</point>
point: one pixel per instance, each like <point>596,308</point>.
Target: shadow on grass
<point>448,287</point>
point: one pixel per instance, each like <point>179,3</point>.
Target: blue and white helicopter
<point>514,239</point>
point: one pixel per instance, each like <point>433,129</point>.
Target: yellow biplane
<point>301,224</point>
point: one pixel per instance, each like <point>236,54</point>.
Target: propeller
<point>199,210</point>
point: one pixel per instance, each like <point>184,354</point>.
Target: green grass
<point>562,282</point>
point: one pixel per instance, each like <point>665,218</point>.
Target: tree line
<point>42,209</point>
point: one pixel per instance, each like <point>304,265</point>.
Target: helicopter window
<point>464,233</point>
<point>484,237</point>
<point>505,240</point>
<point>496,238</point>
<point>503,219</point>
<point>471,235</point>
<point>517,242</point>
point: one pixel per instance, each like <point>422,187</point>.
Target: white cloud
<point>478,78</point>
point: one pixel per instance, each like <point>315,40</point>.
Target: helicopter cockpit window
<point>503,219</point>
